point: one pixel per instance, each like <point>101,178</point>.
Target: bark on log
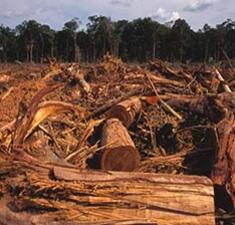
<point>111,103</point>
<point>126,111</point>
<point>120,153</point>
<point>220,109</point>
<point>70,196</point>
<point>223,173</point>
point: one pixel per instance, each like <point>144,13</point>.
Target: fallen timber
<point>56,117</point>
<point>34,193</point>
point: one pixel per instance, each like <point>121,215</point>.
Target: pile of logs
<point>161,137</point>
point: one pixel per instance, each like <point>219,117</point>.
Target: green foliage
<point>139,40</point>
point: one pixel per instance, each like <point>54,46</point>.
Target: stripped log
<point>221,79</point>
<point>126,111</point>
<point>74,197</point>
<point>120,153</point>
<point>4,78</point>
<point>86,87</point>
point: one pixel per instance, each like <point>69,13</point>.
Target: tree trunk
<point>181,53</point>
<point>27,53</point>
<point>120,153</point>
<point>154,49</point>
<point>104,46</point>
<point>67,50</point>
<point>4,55</point>
<point>42,52</point>
<point>87,55</point>
<point>52,50</point>
<point>76,49</point>
<point>223,173</point>
<point>41,194</point>
<point>94,51</point>
<point>126,111</point>
<point>31,53</point>
<point>206,53</point>
<point>37,55</point>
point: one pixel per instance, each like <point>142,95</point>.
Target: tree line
<point>134,41</point>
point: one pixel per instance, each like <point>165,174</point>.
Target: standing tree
<point>30,33</point>
<point>100,30</point>
<point>84,45</point>
<point>7,44</point>
<point>210,43</point>
<point>118,30</point>
<point>71,28</point>
<point>226,38</point>
<point>46,38</point>
<point>181,39</point>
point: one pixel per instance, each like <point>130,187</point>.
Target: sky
<point>56,12</point>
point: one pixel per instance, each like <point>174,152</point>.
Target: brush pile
<point>60,122</point>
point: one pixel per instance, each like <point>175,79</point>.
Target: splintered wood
<point>59,122</point>
<point>80,197</point>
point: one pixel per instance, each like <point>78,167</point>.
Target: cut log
<point>220,109</point>
<point>91,197</point>
<point>120,153</point>
<point>18,62</point>
<point>220,77</point>
<point>223,173</point>
<point>111,103</point>
<point>126,111</point>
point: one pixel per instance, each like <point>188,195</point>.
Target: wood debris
<point>64,120</point>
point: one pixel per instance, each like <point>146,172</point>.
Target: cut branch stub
<point>126,111</point>
<point>120,153</point>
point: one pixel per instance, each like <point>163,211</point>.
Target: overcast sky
<point>56,12</point>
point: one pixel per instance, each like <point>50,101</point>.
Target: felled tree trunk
<point>223,173</point>
<point>211,105</point>
<point>120,153</point>
<point>126,111</point>
<point>40,195</point>
<point>220,109</point>
<point>111,103</point>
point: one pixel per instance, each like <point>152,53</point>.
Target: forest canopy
<point>134,41</point>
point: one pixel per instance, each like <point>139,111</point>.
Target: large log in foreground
<point>120,153</point>
<point>40,195</point>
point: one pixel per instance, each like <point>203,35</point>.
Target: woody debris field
<point>117,143</point>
